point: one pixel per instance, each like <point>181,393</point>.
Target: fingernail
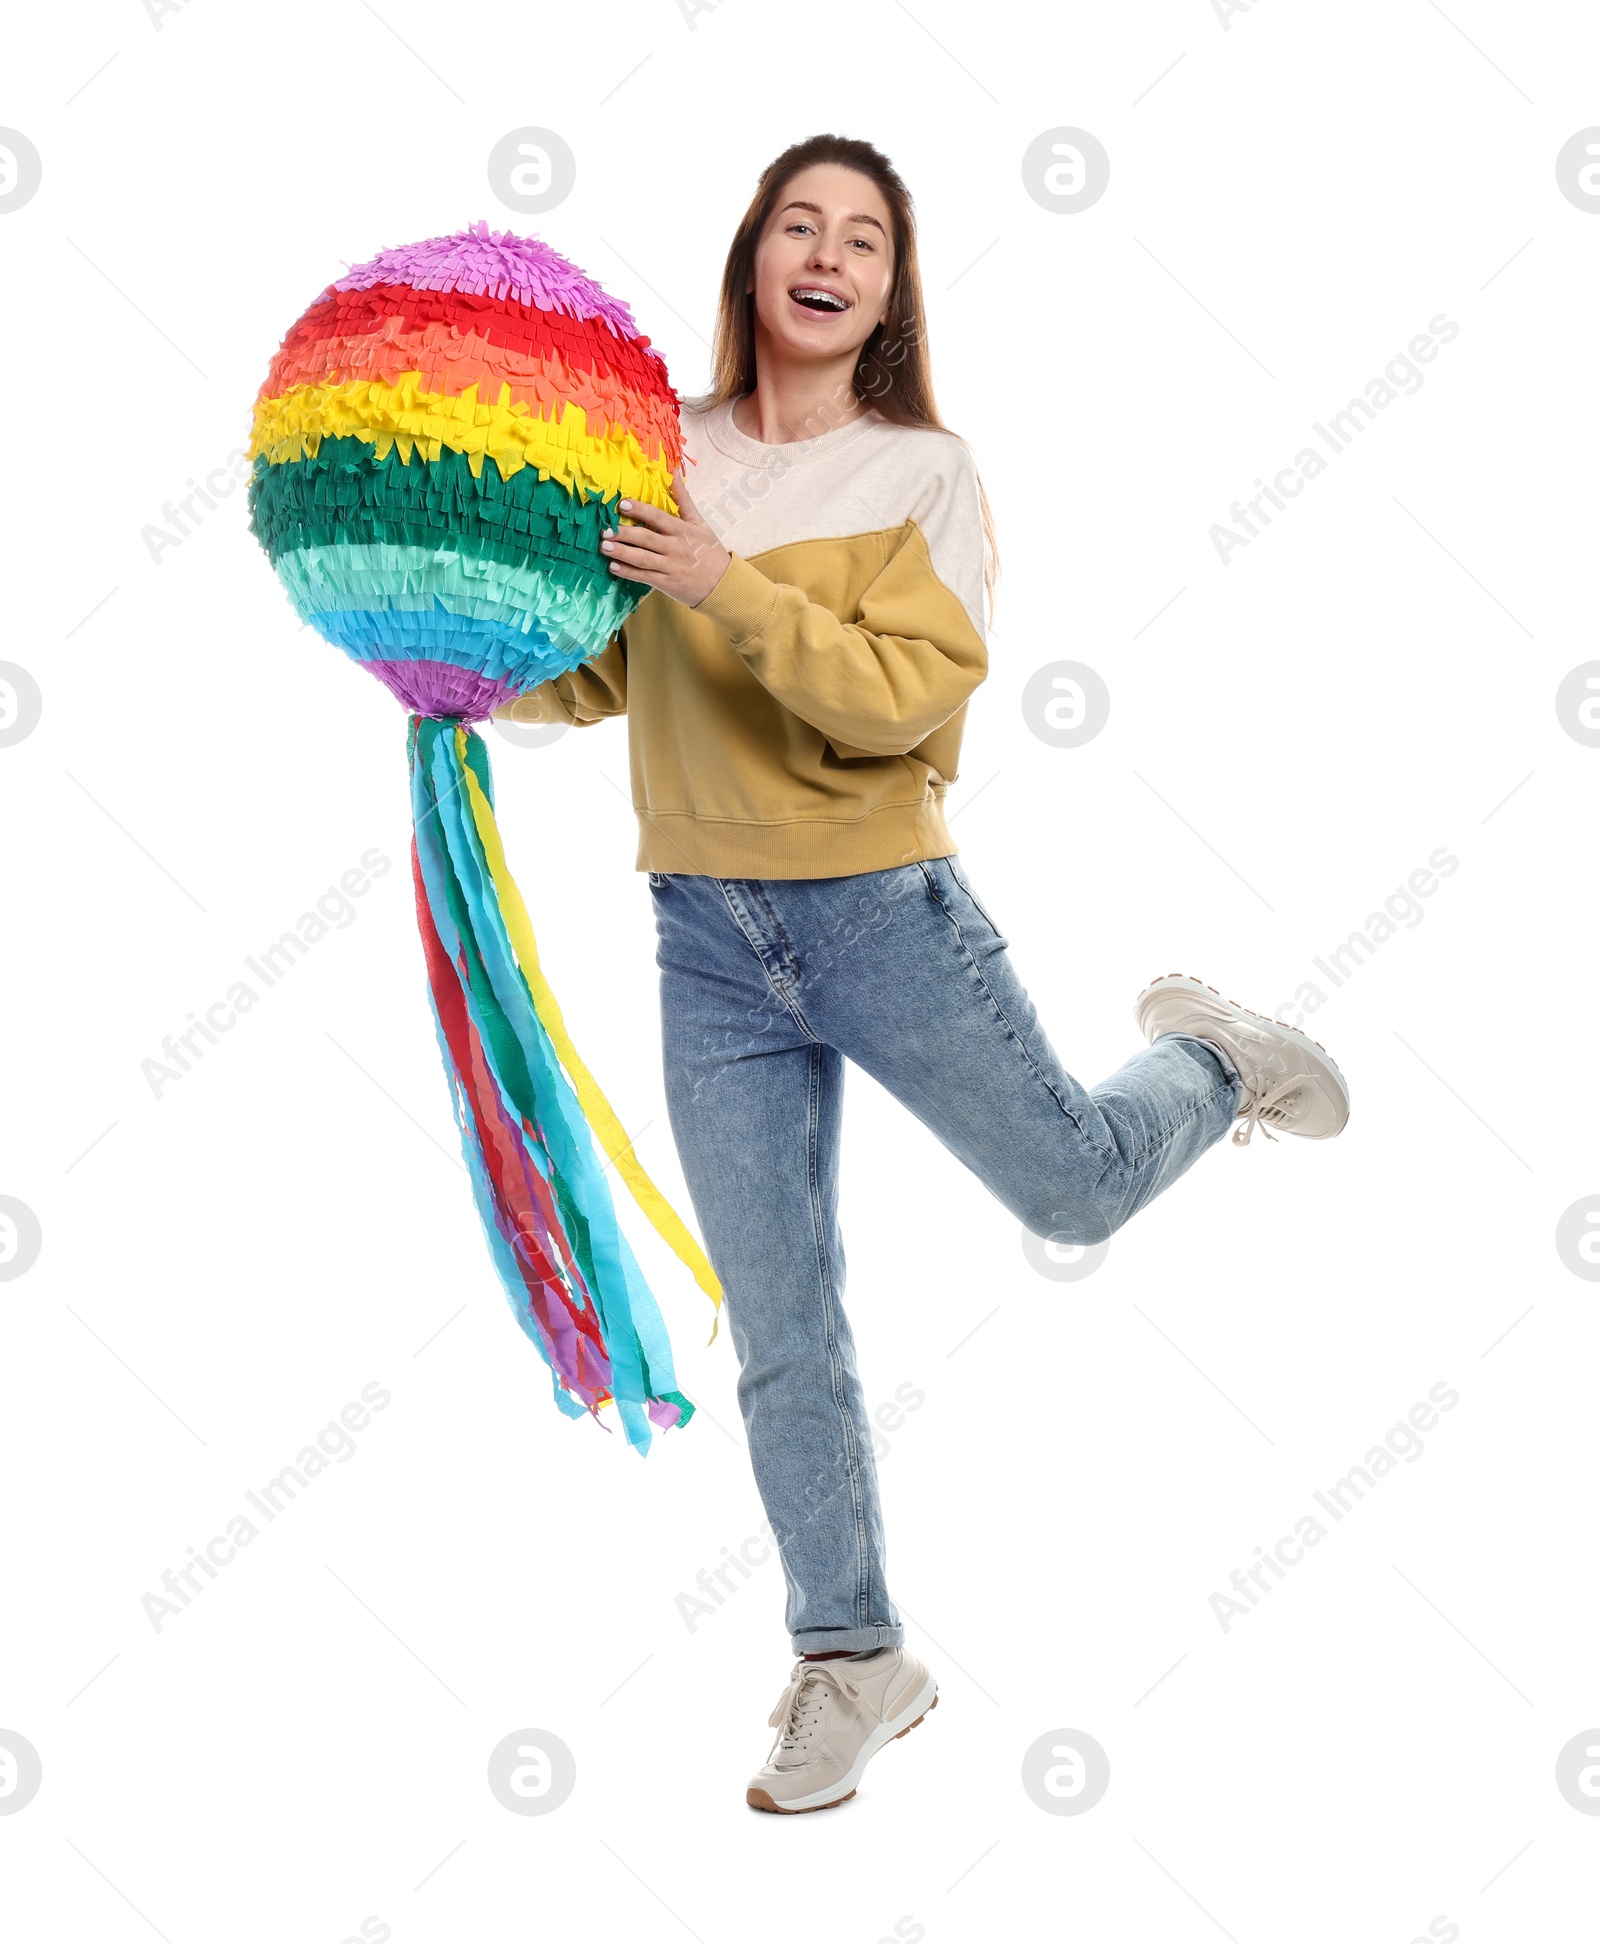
<point>625,506</point>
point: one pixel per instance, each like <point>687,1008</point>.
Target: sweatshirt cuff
<point>741,603</point>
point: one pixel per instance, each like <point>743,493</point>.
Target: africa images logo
<point>1401,376</point>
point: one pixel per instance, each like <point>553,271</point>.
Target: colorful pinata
<point>439,445</point>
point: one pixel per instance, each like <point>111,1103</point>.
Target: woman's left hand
<point>677,553</point>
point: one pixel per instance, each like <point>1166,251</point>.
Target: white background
<point>223,1268</point>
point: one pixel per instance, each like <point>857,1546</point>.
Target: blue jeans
<point>767,987</point>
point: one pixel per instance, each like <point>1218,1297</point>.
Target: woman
<point>795,711</point>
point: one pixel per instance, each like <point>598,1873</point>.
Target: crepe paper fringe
<point>402,414</point>
<point>447,362</point>
<point>500,264</point>
<point>565,1264</point>
<point>371,578</point>
<point>498,321</point>
<point>545,389</point>
<point>348,494</point>
<point>439,688</point>
<point>420,647</point>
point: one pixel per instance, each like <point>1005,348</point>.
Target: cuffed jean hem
<point>847,1640</point>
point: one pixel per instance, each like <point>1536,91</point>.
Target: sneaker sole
<point>847,1783</point>
<point>1185,981</point>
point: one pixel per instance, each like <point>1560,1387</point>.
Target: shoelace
<point>799,1711</point>
<point>1275,1104</point>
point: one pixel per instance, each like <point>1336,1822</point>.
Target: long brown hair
<point>893,372</point>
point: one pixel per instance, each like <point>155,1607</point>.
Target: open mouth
<point>821,303</point>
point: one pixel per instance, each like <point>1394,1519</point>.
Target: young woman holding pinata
<point>795,698</point>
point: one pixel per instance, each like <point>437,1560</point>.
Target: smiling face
<point>824,265</point>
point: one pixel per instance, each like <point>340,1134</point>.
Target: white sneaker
<point>831,1719</point>
<point>1289,1081</point>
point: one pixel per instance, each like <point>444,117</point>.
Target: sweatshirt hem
<point>682,844</point>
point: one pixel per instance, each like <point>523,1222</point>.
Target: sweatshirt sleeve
<point>880,683</point>
<point>585,696</point>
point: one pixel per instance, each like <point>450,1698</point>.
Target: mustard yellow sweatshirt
<point>804,719</point>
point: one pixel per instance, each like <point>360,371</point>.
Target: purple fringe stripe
<point>495,263</point>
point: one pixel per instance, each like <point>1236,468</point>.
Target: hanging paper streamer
<point>439,445</point>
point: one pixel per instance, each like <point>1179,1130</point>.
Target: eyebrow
<point>816,210</point>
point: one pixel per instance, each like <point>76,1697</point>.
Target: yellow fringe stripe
<point>596,1108</point>
<point>293,426</point>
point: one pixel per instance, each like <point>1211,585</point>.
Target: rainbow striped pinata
<point>439,444</point>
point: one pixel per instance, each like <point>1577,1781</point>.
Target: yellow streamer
<point>596,1108</point>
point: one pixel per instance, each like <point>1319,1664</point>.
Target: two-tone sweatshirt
<point>804,719</point>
